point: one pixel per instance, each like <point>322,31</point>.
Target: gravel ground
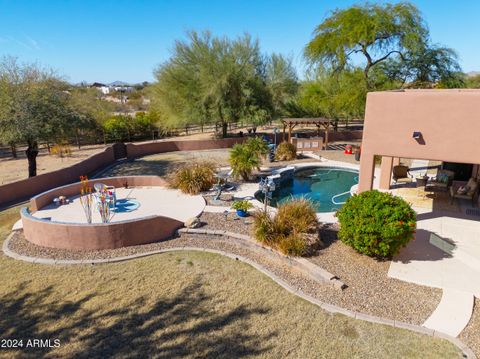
<point>471,334</point>
<point>231,222</point>
<point>226,200</point>
<point>369,289</point>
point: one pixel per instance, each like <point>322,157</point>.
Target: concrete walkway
<point>452,314</point>
<point>445,254</point>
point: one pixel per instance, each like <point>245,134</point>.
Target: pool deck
<point>154,201</point>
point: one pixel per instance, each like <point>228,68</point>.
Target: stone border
<point>315,272</point>
<point>333,309</point>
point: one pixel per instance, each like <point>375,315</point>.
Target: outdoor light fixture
<point>417,135</point>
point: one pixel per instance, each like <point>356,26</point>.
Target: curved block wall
<point>79,236</point>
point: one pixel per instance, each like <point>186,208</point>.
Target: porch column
<point>386,172</point>
<point>367,168</point>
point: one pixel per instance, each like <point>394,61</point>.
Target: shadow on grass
<point>186,324</point>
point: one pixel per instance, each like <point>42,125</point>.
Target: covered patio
<point>435,134</point>
<point>423,125</point>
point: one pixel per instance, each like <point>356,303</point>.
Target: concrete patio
<point>445,254</point>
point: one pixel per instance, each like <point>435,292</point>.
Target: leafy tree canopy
<point>218,80</point>
<point>391,37</point>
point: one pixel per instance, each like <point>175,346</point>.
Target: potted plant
<point>242,207</point>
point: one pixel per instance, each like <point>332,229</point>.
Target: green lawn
<point>185,304</point>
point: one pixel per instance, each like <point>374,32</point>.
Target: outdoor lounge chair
<point>464,190</point>
<point>401,174</point>
<point>442,182</point>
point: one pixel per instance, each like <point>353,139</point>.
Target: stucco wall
<point>147,148</point>
<point>24,189</point>
<point>96,236</point>
<point>449,121</point>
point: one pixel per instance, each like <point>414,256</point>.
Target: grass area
<point>183,304</point>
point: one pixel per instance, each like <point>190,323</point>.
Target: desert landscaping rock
<point>471,334</point>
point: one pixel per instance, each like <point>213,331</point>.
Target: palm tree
<point>244,158</point>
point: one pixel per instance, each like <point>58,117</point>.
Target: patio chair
<point>464,190</point>
<point>401,174</point>
<point>442,181</point>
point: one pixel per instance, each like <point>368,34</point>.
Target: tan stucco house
<point>440,125</point>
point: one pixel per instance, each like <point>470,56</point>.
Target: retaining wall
<point>24,189</point>
<point>96,236</point>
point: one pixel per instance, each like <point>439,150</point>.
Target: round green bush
<point>376,224</point>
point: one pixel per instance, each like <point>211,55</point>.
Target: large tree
<point>390,44</point>
<point>34,106</point>
<point>212,80</point>
<point>334,95</point>
<point>375,32</point>
<point>282,82</point>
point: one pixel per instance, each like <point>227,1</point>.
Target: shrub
<point>244,158</point>
<point>293,229</point>
<point>263,227</point>
<point>61,150</point>
<point>297,215</point>
<point>286,151</point>
<point>376,224</point>
<point>194,178</point>
<point>295,244</point>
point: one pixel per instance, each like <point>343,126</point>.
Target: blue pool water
<point>318,184</point>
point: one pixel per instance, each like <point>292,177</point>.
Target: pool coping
<point>325,217</point>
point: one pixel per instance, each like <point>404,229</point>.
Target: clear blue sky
<point>106,40</point>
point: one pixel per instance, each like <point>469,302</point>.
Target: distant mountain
<point>118,83</point>
<point>473,73</point>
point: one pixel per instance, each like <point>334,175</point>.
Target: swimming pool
<point>327,187</point>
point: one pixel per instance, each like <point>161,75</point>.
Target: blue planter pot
<point>241,213</point>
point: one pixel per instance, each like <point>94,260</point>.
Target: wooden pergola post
<point>318,122</point>
<point>327,128</point>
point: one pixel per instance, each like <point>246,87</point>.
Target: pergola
<point>320,122</point>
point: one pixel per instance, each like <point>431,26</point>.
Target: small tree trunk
<point>77,138</point>
<point>13,148</point>
<point>224,129</point>
<point>32,153</point>
<point>48,147</point>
